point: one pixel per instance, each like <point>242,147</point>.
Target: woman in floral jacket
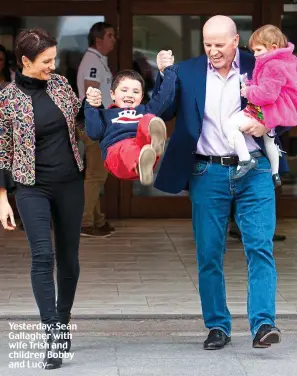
<point>38,148</point>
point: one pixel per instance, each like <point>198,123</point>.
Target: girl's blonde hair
<point>268,35</point>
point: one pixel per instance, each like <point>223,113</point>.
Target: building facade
<point>143,28</point>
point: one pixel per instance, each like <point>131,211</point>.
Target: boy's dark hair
<point>127,73</point>
<point>97,31</point>
<point>31,43</point>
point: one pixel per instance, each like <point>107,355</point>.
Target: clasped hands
<point>164,59</point>
<point>94,97</point>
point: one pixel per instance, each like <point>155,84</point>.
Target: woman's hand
<point>6,215</point>
<point>94,97</point>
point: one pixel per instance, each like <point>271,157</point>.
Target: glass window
<point>289,139</point>
<point>289,25</point>
<point>70,31</point>
<point>182,35</point>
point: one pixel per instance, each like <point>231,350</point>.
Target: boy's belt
<point>231,160</point>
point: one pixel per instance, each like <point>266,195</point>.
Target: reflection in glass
<point>182,35</point>
<point>70,31</point>
<point>289,139</point>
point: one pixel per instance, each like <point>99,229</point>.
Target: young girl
<point>131,135</point>
<point>271,94</point>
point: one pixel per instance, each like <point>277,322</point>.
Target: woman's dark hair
<point>6,71</point>
<point>127,73</point>
<point>31,43</point>
<point>97,31</point>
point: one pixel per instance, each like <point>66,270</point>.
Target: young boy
<point>131,135</point>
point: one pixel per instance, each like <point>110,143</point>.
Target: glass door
<point>287,200</point>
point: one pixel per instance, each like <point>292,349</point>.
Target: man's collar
<point>235,62</point>
<point>93,50</point>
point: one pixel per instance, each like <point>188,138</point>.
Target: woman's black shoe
<point>65,339</point>
<point>54,351</point>
<point>65,335</point>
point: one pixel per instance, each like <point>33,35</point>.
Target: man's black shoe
<point>266,336</point>
<point>216,340</point>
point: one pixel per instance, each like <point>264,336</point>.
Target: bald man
<point>199,157</point>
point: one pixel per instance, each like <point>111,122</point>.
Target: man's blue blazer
<point>188,107</point>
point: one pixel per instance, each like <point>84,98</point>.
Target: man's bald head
<point>223,24</point>
<point>220,41</point>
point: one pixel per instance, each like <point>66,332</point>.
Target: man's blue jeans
<point>212,192</point>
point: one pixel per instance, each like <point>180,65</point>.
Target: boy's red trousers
<point>122,157</point>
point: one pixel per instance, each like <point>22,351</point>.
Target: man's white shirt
<point>94,67</point>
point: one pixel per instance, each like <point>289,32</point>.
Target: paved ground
<point>163,348</point>
<point>148,267</point>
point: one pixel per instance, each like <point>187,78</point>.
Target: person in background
<point>6,75</point>
<point>38,147</point>
<point>94,72</point>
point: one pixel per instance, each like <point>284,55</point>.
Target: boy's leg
<point>152,130</point>
<point>126,160</point>
<point>122,159</point>
<point>273,156</point>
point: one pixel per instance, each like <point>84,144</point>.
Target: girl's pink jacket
<point>274,87</point>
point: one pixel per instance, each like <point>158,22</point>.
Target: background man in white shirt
<point>94,71</point>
